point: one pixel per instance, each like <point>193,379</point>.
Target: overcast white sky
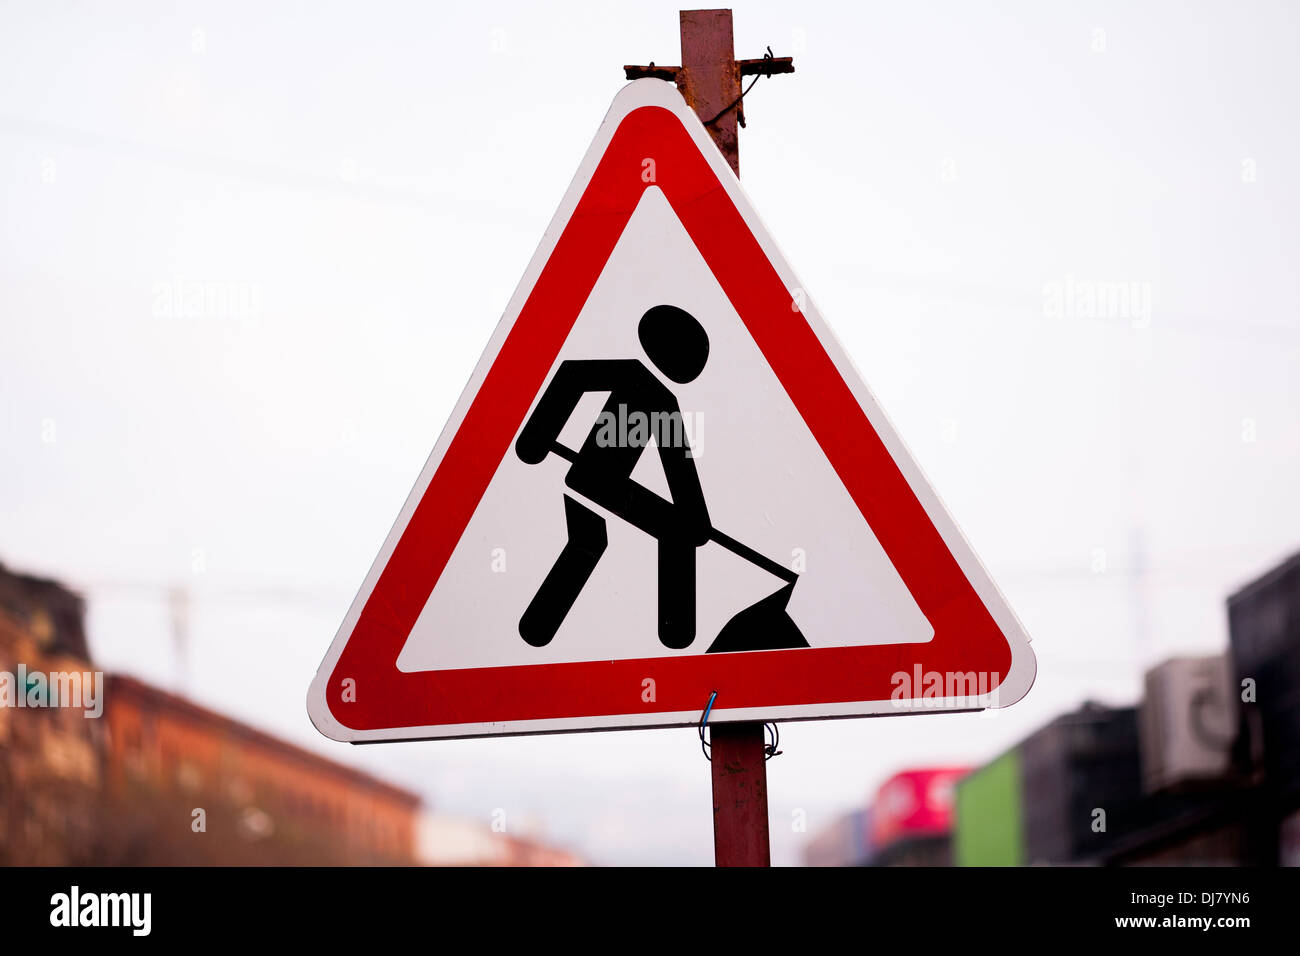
<point>377,175</point>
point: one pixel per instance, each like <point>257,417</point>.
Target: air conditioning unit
<point>1187,722</point>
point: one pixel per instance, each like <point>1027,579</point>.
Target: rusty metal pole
<point>710,81</point>
<point>739,795</point>
<point>709,78</point>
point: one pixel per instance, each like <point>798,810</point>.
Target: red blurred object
<point>914,803</point>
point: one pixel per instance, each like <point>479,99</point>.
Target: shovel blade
<point>764,626</point>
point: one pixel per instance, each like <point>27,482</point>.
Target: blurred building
<point>1264,628</point>
<point>1081,784</point>
<point>50,614</point>
<point>152,778</point>
<point>262,800</point>
<point>50,779</point>
<point>908,823</point>
<point>1221,741</point>
<point>1064,794</point>
<point>845,842</point>
<point>911,818</point>
<point>1073,792</point>
<point>148,777</point>
<point>1204,771</point>
<point>454,841</point>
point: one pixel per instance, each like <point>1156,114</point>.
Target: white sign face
<point>664,479</point>
<point>763,478</point>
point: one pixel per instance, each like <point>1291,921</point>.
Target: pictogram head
<point>675,342</point>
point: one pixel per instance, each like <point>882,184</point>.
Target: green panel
<point>990,829</point>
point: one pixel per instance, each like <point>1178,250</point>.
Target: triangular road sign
<point>665,478</point>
